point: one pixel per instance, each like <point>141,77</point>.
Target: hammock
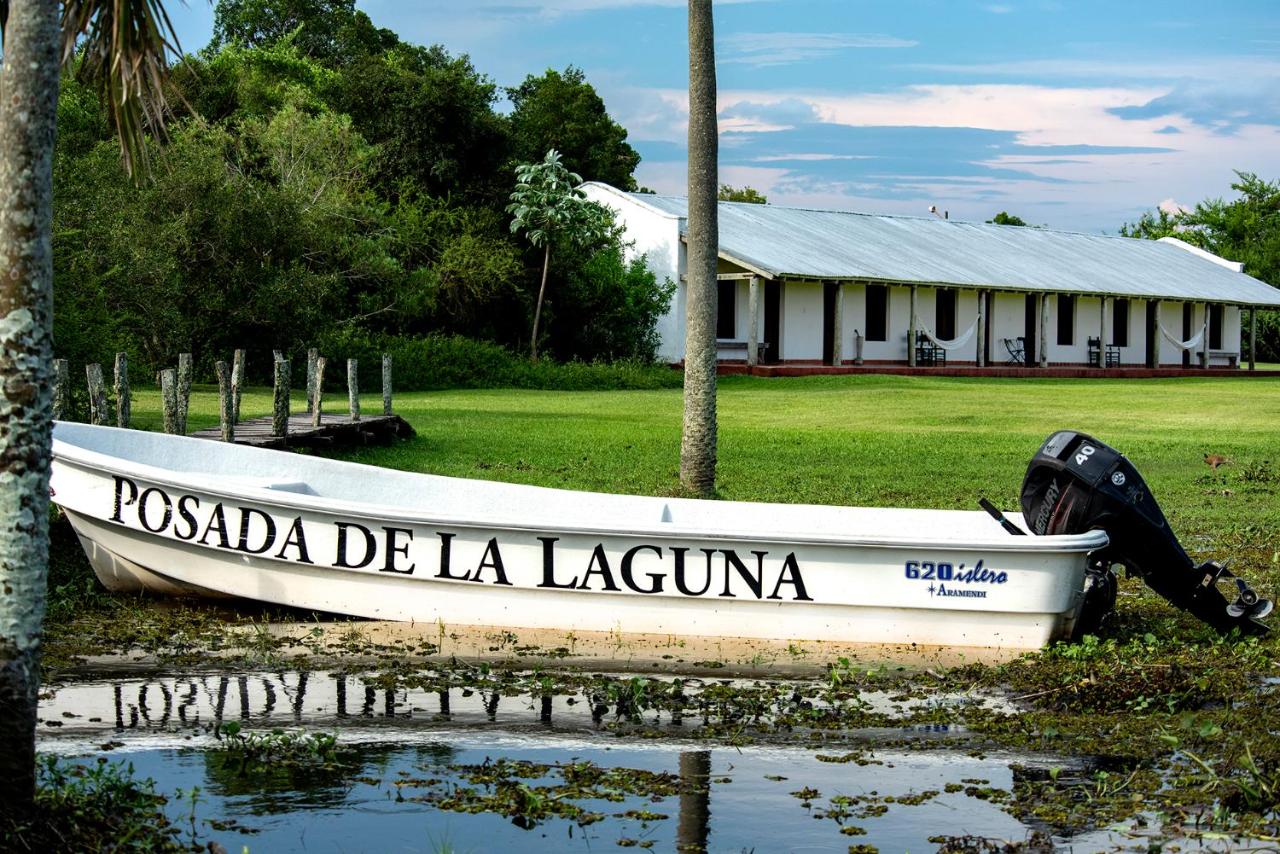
<point>1191,343</point>
<point>953,344</point>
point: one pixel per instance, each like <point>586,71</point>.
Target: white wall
<point>655,236</point>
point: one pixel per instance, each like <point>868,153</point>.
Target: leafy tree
<point>607,307</point>
<point>563,111</point>
<point>431,116</point>
<point>750,195</point>
<point>698,444</point>
<point>1005,218</point>
<point>260,231</point>
<point>332,32</point>
<point>1153,225</point>
<point>548,205</point>
<point>124,46</point>
<point>1245,229</point>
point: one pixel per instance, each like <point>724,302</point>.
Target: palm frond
<point>126,46</point>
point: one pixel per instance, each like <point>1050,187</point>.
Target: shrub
<point>439,362</point>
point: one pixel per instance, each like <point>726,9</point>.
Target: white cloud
<point>764,49</point>
<point>997,8</point>
<point>1171,206</point>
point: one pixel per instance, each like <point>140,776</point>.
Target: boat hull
<point>184,534</point>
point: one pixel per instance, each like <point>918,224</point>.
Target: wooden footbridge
<point>333,430</point>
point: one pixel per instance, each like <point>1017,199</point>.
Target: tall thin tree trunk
<point>693,828</point>
<point>698,446</point>
<point>537,312</point>
<point>28,107</point>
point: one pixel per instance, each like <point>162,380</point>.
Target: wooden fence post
<point>312,356</point>
<point>97,394</point>
<point>353,388</point>
<point>184,391</point>
<point>169,399</point>
<point>319,398</point>
<point>62,390</point>
<point>386,383</point>
<point>237,384</point>
<point>280,409</point>
<point>277,355</point>
<point>123,395</point>
<point>225,420</point>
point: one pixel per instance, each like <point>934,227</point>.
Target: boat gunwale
<point>70,452</point>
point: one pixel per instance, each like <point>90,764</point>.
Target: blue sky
<point>1070,113</point>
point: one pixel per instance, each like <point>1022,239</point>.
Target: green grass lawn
<point>870,440</point>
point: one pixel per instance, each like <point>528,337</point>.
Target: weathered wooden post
<point>1044,331</point>
<point>1253,337</point>
<point>280,404</point>
<point>1204,340</point>
<point>353,388</point>
<point>226,418</point>
<point>97,394</point>
<point>1102,332</point>
<point>62,390</point>
<point>184,391</point>
<point>277,355</point>
<point>123,401</point>
<point>237,384</point>
<point>982,329</point>
<point>837,327</point>
<point>911,330</point>
<point>169,399</point>
<point>319,397</point>
<point>386,383</point>
<point>858,342</point>
<point>312,355</point>
<point>753,321</point>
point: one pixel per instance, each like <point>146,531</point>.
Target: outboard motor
<point>1076,483</point>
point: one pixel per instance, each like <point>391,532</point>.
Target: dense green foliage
<point>562,111</point>
<point>94,807</point>
<point>439,362</point>
<point>1246,229</point>
<point>750,195</point>
<point>1006,218</point>
<point>321,179</point>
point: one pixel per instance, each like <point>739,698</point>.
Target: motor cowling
<point>1076,483</point>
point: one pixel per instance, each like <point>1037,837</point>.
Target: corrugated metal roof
<point>793,242</point>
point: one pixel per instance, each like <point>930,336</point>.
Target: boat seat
<point>300,487</point>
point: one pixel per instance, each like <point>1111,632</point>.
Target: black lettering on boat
<point>492,560</point>
<point>732,561</point>
<point>790,574</point>
<point>246,514</point>
<point>446,552</point>
<point>392,550</point>
<point>549,566</point>
<point>295,537</point>
<point>628,571</point>
<point>184,512</point>
<point>220,518</point>
<point>599,566</point>
<point>370,546</point>
<point>679,553</point>
<point>142,509</point>
<point>120,503</point>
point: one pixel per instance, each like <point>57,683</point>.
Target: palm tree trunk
<point>537,312</point>
<point>693,828</point>
<point>698,445</point>
<point>28,108</point>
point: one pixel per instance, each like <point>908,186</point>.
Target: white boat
<point>190,516</point>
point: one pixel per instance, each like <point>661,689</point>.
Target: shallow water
<point>412,752</point>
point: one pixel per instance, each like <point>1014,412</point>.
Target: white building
<point>810,287</point>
